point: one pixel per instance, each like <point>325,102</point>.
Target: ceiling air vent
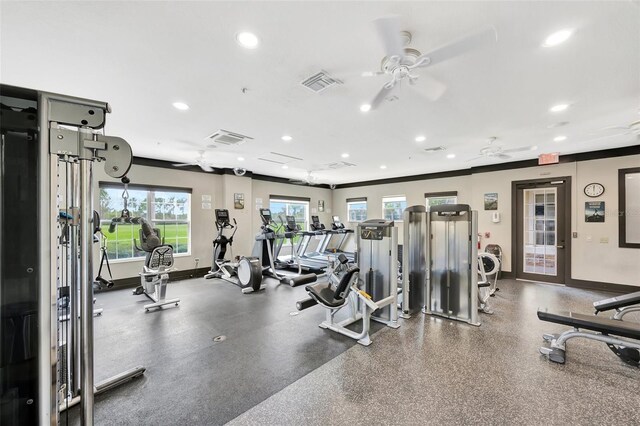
<point>435,149</point>
<point>320,81</point>
<point>225,137</point>
<point>339,165</point>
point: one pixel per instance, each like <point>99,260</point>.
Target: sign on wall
<point>491,201</point>
<point>594,211</point>
<point>238,200</point>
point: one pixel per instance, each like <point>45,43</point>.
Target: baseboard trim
<point>173,276</point>
<point>597,285</point>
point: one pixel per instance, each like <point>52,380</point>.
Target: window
<point>629,207</point>
<point>168,209</point>
<point>440,198</point>
<point>356,209</point>
<point>282,206</point>
<point>393,207</point>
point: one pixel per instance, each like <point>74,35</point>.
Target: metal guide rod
<point>86,290</point>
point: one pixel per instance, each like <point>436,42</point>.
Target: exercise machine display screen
<point>315,220</point>
<point>291,223</point>
<point>222,214</point>
<point>265,214</point>
<point>336,222</point>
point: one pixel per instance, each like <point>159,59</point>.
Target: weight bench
<point>622,305</point>
<point>606,330</point>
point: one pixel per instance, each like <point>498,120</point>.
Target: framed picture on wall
<point>238,200</point>
<point>320,205</point>
<point>594,211</point>
<point>491,201</point>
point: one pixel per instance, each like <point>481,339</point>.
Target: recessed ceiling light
<point>247,39</point>
<point>284,166</point>
<point>287,138</point>
<point>557,38</point>
<point>559,138</point>
<point>181,106</point>
<point>365,107</point>
<point>345,155</point>
<point>535,147</point>
<point>383,167</point>
<point>451,156</point>
<point>420,138</point>
<point>559,107</point>
<point>240,158</point>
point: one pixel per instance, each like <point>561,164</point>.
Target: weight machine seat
<point>592,322</point>
<point>617,302</point>
<point>333,299</point>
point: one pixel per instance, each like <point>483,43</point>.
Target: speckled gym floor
<point>278,369</point>
<point>434,371</point>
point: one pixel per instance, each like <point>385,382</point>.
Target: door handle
<point>560,247</point>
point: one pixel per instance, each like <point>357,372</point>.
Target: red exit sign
<point>550,158</point>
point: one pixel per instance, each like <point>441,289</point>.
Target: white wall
<point>596,259</point>
<point>202,221</point>
<point>221,188</point>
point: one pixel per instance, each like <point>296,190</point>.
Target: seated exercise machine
<point>157,265</point>
<point>495,250</point>
<point>370,290</point>
<point>488,267</point>
<point>612,331</point>
<point>267,247</point>
<point>244,272</point>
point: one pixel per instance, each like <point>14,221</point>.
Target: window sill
<point>141,258</point>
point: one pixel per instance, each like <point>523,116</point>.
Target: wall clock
<point>594,190</point>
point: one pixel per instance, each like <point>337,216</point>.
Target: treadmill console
<point>291,224</point>
<point>336,223</point>
<point>315,224</point>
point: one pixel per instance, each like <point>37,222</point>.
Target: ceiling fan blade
<point>382,94</point>
<point>184,164</point>
<point>372,73</point>
<point>459,47</point>
<point>431,87</point>
<point>521,149</point>
<point>389,31</point>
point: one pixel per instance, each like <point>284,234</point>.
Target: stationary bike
<point>246,273</point>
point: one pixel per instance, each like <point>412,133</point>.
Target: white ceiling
<point>143,56</point>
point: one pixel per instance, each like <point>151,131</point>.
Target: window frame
<point>150,190</point>
<point>439,195</point>
<point>287,199</point>
<point>391,199</point>
<point>622,208</point>
<point>359,200</point>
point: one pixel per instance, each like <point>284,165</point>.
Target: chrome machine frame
<point>415,272</point>
<point>452,283</point>
<point>68,135</point>
<point>377,258</point>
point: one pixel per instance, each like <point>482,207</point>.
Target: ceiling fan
<point>310,179</point>
<point>496,151</point>
<point>402,61</point>
<point>200,161</point>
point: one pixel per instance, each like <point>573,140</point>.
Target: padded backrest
<point>160,256</point>
<point>342,290</point>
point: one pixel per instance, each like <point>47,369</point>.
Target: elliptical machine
<point>246,273</point>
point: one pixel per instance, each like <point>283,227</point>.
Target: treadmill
<point>291,262</point>
<point>316,230</point>
<point>337,229</point>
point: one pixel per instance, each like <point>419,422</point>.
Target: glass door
<point>540,230</point>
